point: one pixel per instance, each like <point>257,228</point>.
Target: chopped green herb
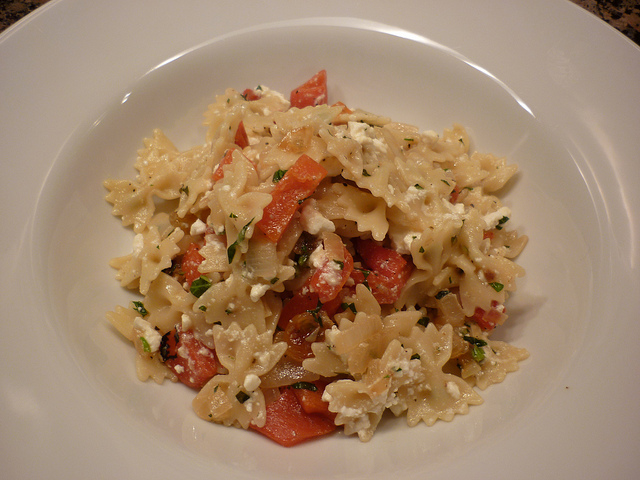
<point>203,308</point>
<point>233,215</point>
<point>415,356</point>
<point>242,396</point>
<point>417,186</point>
<point>424,321</point>
<point>501,222</point>
<point>303,259</point>
<point>228,311</point>
<point>474,341</point>
<point>349,306</point>
<point>243,232</point>
<point>199,286</point>
<point>365,173</point>
<point>316,313</point>
<point>274,280</point>
<point>477,353</point>
<point>231,251</point>
<point>444,181</point>
<point>421,250</point>
<point>278,175</point>
<point>339,263</point>
<point>441,294</point>
<point>139,307</point>
<point>408,139</point>
<point>184,189</point>
<point>497,286</point>
<point>304,386</point>
<point>145,345</point>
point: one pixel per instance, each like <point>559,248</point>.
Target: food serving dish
<point>81,98</point>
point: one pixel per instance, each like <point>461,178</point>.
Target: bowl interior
<point>378,69</point>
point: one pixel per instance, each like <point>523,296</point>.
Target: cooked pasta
<point>311,266</point>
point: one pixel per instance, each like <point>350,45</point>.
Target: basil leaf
<point>497,286</point>
<point>200,285</point>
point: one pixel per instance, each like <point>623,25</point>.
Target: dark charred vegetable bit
<point>242,396</point>
<point>200,285</point>
<point>441,294</point>
<point>139,307</point>
<point>166,345</point>
<point>303,249</point>
<point>304,386</point>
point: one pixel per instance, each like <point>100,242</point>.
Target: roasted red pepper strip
<point>300,181</point>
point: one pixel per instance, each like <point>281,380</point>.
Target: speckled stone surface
<point>623,15</point>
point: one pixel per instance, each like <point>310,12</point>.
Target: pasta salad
<point>311,266</point>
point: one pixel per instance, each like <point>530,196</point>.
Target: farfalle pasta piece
<point>235,398</point>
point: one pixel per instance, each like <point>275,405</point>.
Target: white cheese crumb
<point>251,382</point>
<point>318,257</point>
<point>313,221</point>
<point>257,291</point>
<point>178,369</point>
<point>198,227</point>
<point>187,323</point>
<point>183,352</point>
<point>453,390</point>
<point>492,219</point>
<point>151,335</point>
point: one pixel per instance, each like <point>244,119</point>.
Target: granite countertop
<point>623,15</point>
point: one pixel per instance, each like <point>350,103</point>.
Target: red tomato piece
<point>311,93</point>
<point>487,320</point>
<point>311,401</point>
<point>388,271</point>
<point>296,185</point>
<point>241,139</point>
<point>331,276</point>
<point>190,359</point>
<point>218,173</point>
<point>191,260</point>
<point>288,424</point>
<point>453,197</point>
<point>345,109</point>
<point>250,94</point>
